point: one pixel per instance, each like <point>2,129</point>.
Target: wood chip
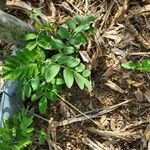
<point>147,95</point>
<point>139,95</point>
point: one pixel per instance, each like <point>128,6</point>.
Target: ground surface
<point>118,109</point>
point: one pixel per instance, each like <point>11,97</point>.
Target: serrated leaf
<point>63,33</point>
<point>79,79</point>
<point>35,83</point>
<point>80,68</point>
<point>68,77</point>
<point>31,45</point>
<point>43,104</point>
<point>51,72</point>
<point>70,23</point>
<point>30,36</point>
<point>69,61</point>
<point>86,73</point>
<point>129,65</point>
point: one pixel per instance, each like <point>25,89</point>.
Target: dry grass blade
<point>83,118</point>
<point>115,134</point>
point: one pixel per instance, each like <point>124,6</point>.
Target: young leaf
<point>63,33</point>
<point>30,36</point>
<point>80,68</point>
<point>70,23</point>
<point>68,50</point>
<point>68,77</point>
<point>57,44</point>
<point>69,61</point>
<point>31,45</point>
<point>57,81</point>
<point>129,65</point>
<point>79,79</point>
<point>36,96</point>
<point>43,104</point>
<point>88,84</point>
<point>88,20</point>
<point>78,18</point>
<point>27,90</point>
<point>51,96</point>
<point>51,72</point>
<point>81,28</point>
<point>35,83</point>
<point>86,73</point>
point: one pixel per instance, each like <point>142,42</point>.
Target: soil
<point>126,126</point>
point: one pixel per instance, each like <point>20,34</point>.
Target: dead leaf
<point>114,86</point>
<point>85,56</point>
<point>112,124</point>
<point>147,133</point>
<point>134,83</point>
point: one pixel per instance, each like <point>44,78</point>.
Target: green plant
<point>16,133</point>
<point>51,59</point>
<point>141,66</point>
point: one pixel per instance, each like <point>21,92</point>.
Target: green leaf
<point>86,73</point>
<point>36,96</point>
<point>31,45</point>
<point>80,68</point>
<point>44,44</point>
<point>79,79</point>
<point>69,61</point>
<point>57,81</point>
<point>30,36</point>
<point>51,72</point>
<point>68,77</point>
<point>56,57</point>
<point>27,90</point>
<point>63,33</point>
<point>81,28</point>
<point>57,44</point>
<point>88,20</point>
<point>68,50</point>
<point>88,84</point>
<point>78,18</point>
<point>92,30</point>
<point>129,65</point>
<point>43,104</point>
<point>77,39</point>
<point>51,96</point>
<point>70,23</point>
<point>35,83</point>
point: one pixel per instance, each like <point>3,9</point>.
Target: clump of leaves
<point>141,66</point>
<point>16,134</point>
<point>51,59</point>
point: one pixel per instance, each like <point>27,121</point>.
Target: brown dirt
<point>114,41</point>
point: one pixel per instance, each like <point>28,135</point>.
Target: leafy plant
<point>141,66</point>
<point>17,133</point>
<point>51,59</point>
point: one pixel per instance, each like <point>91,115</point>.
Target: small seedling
<point>141,66</point>
<point>51,60</point>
